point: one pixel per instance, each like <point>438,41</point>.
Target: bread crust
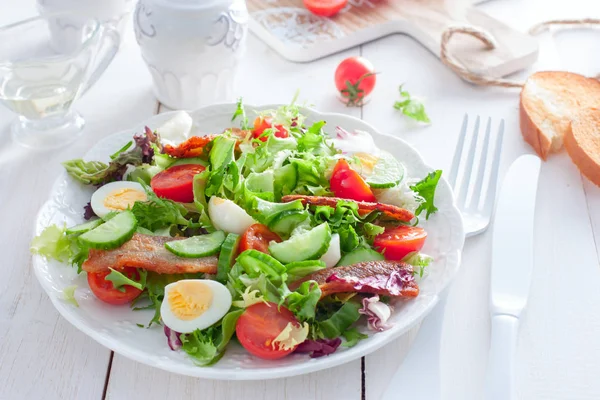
<point>548,102</point>
<point>582,141</point>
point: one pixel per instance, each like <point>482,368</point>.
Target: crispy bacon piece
<point>387,278</point>
<point>194,146</point>
<point>364,207</point>
<point>148,252</point>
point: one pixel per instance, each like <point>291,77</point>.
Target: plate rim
<point>311,365</point>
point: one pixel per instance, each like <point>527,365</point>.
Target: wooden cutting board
<point>298,35</point>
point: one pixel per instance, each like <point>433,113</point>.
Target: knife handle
<point>500,376</point>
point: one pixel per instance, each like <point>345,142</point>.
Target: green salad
<point>272,232</point>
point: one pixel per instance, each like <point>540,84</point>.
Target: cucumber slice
<point>111,234</point>
<point>285,180</point>
<point>387,172</point>
<point>227,256</point>
<point>360,255</point>
<point>85,227</point>
<point>287,221</point>
<point>300,269</point>
<point>256,263</point>
<point>197,246</point>
<point>309,245</point>
<point>192,160</point>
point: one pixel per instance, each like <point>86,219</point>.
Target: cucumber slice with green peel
<point>85,227</point>
<point>111,234</point>
<point>360,255</point>
<point>284,223</point>
<point>255,263</point>
<point>387,172</point>
<point>309,245</point>
<point>227,256</point>
<point>197,246</point>
<point>299,269</point>
<point>191,160</point>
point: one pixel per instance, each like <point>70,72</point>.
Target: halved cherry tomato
<point>396,243</point>
<point>259,324</point>
<point>257,237</point>
<point>325,8</point>
<point>262,123</point>
<point>176,183</point>
<point>105,291</point>
<point>355,79</point>
<point>348,184</point>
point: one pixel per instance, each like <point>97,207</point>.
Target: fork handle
<point>500,376</point>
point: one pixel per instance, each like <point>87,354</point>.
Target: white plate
<point>115,327</point>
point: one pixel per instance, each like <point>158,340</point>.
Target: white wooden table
<point>43,357</point>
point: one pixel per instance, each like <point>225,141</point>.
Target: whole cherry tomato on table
<point>355,79</point>
<point>325,8</point>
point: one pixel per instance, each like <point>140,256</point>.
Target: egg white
<point>333,254</point>
<point>227,216</point>
<point>176,130</point>
<point>97,201</point>
<point>221,303</point>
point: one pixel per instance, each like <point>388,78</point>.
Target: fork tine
<point>458,152</point>
<point>468,172</point>
<point>491,197</point>
<point>482,166</point>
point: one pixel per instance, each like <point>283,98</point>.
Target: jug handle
<point>108,47</point>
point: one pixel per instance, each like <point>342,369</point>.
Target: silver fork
<point>419,375</point>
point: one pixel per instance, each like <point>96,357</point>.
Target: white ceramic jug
<point>192,48</point>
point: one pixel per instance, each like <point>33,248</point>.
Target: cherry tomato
<point>355,79</point>
<point>325,8</point>
<point>262,123</point>
<point>396,243</point>
<point>259,324</point>
<point>105,291</point>
<point>257,237</point>
<point>348,184</point>
<point>176,183</point>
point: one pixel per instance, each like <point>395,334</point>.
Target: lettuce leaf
<point>426,190</point>
<point>119,279</point>
<point>156,213</point>
<point>339,321</point>
<point>99,173</point>
<point>53,243</point>
<point>303,301</point>
<point>207,346</point>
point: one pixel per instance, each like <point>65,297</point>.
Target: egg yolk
<point>122,199</point>
<point>367,161</point>
<point>189,300</point>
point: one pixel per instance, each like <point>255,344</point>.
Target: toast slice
<point>582,141</point>
<point>549,101</point>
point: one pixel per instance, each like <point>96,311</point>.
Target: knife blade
<point>512,266</point>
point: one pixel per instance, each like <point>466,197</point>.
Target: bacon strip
<point>194,146</point>
<point>364,207</point>
<point>148,252</point>
<point>387,278</point>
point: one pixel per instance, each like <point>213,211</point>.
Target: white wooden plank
<point>592,193</point>
<point>41,354</point>
<point>266,78</point>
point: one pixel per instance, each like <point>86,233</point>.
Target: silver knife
<point>512,264</point>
